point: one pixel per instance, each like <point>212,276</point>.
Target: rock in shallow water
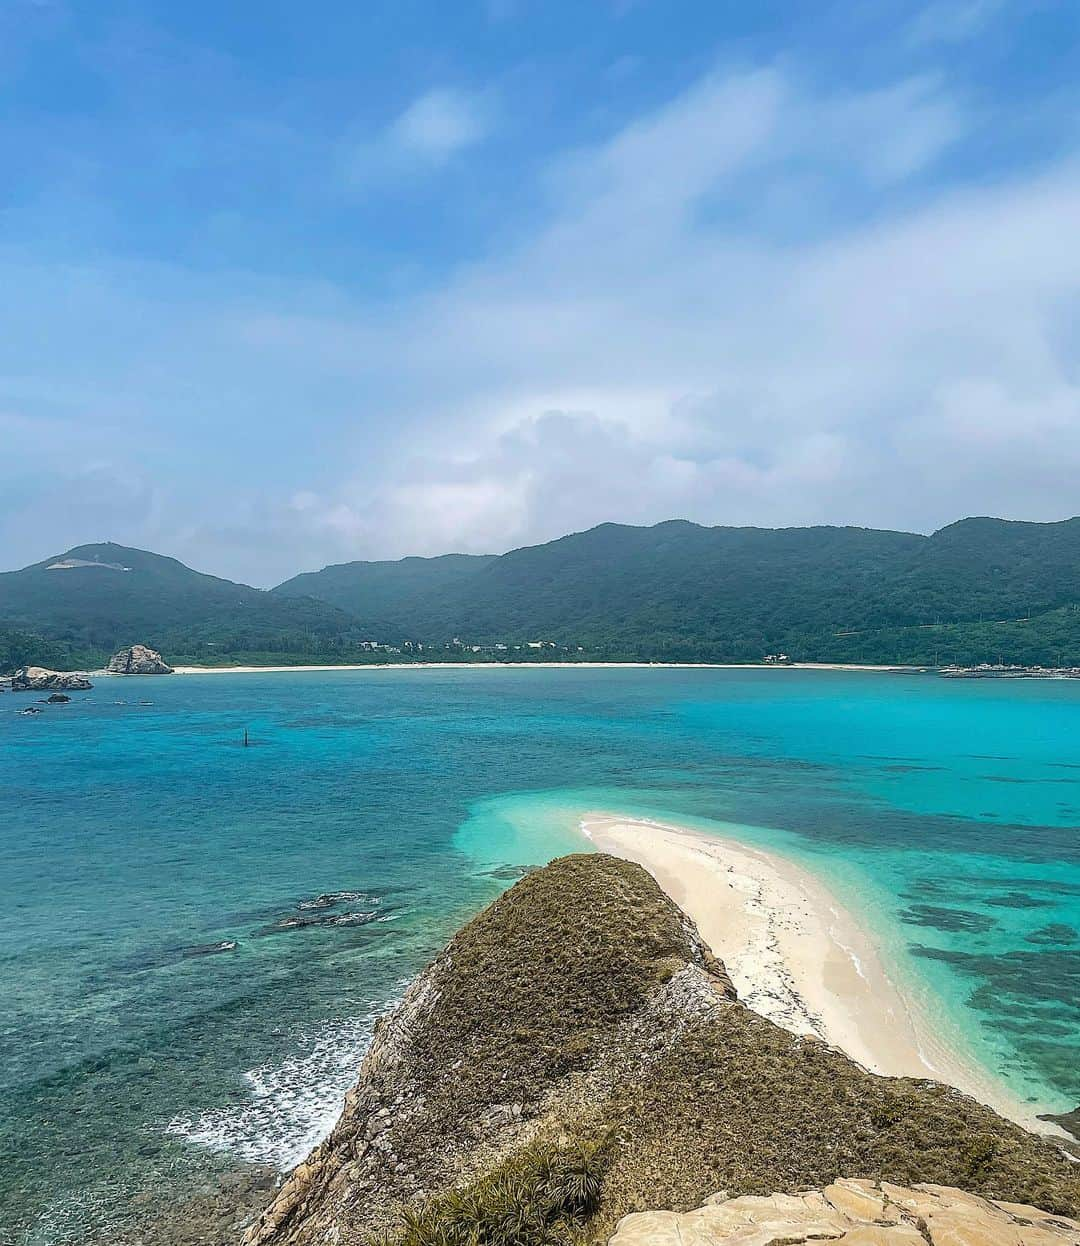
<point>41,679</point>
<point>330,899</point>
<point>210,949</point>
<point>1069,1121</point>
<point>138,660</point>
<point>322,919</point>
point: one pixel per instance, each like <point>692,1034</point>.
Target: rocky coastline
<point>575,1067</point>
<point>579,1031</point>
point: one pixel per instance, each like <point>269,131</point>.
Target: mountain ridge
<point>980,589</point>
<point>679,589</point>
<point>114,595</point>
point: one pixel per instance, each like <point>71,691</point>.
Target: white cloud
<point>749,306</point>
<point>953,21</point>
<point>437,125</point>
<point>427,134</point>
<point>655,351</point>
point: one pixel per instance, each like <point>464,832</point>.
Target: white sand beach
<point>795,954</point>
<point>542,666</point>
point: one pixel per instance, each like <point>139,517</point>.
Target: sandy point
<point>796,954</point>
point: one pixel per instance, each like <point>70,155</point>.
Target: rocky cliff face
<point>40,679</point>
<point>138,660</point>
<point>576,1054</point>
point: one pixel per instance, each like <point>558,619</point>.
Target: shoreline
<point>796,955</point>
<point>567,666</point>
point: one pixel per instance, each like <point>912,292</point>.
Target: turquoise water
<point>136,838</point>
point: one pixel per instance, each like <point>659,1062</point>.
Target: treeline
<point>20,648</point>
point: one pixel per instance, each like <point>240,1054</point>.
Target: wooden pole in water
<point>245,737</point>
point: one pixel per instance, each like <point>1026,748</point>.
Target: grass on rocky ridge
<point>542,1194</point>
<point>743,1106</point>
<point>536,981</point>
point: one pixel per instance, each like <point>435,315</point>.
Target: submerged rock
<point>330,899</point>
<point>210,949</point>
<point>1056,932</point>
<point>506,872</point>
<point>41,679</point>
<point>321,919</point>
<point>138,660</point>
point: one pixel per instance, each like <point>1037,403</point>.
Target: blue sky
<point>291,284</point>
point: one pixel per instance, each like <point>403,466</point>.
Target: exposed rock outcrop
<point>138,660</point>
<point>581,1015</point>
<point>1067,1120</point>
<point>856,1213</point>
<point>40,679</point>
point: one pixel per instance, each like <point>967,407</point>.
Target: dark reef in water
<point>330,899</point>
<point>1019,900</point>
<point>507,872</point>
<point>211,949</point>
<point>323,920</point>
<point>947,919</point>
<point>1056,932</point>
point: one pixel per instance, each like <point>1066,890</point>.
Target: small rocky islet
<point>41,679</point>
<point>134,660</point>
<point>138,660</point>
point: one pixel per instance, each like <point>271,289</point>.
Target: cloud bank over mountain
<point>762,298</point>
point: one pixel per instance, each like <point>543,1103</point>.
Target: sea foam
<point>290,1106</point>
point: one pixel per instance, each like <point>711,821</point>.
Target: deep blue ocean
<point>374,811</point>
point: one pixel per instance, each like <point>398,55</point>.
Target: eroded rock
<point>41,679</point>
<point>856,1213</point>
<point>138,660</point>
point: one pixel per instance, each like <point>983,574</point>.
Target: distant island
<point>980,596</point>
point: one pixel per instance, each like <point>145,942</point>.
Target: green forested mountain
<point>96,599</point>
<point>679,590</point>
<point>377,591</point>
<point>978,590</point>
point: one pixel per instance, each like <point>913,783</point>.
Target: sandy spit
<point>796,955</point>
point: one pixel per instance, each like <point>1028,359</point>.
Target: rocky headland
<point>41,679</point>
<point>577,1055</point>
<point>138,660</point>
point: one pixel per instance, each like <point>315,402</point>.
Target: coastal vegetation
<point>981,590</point>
